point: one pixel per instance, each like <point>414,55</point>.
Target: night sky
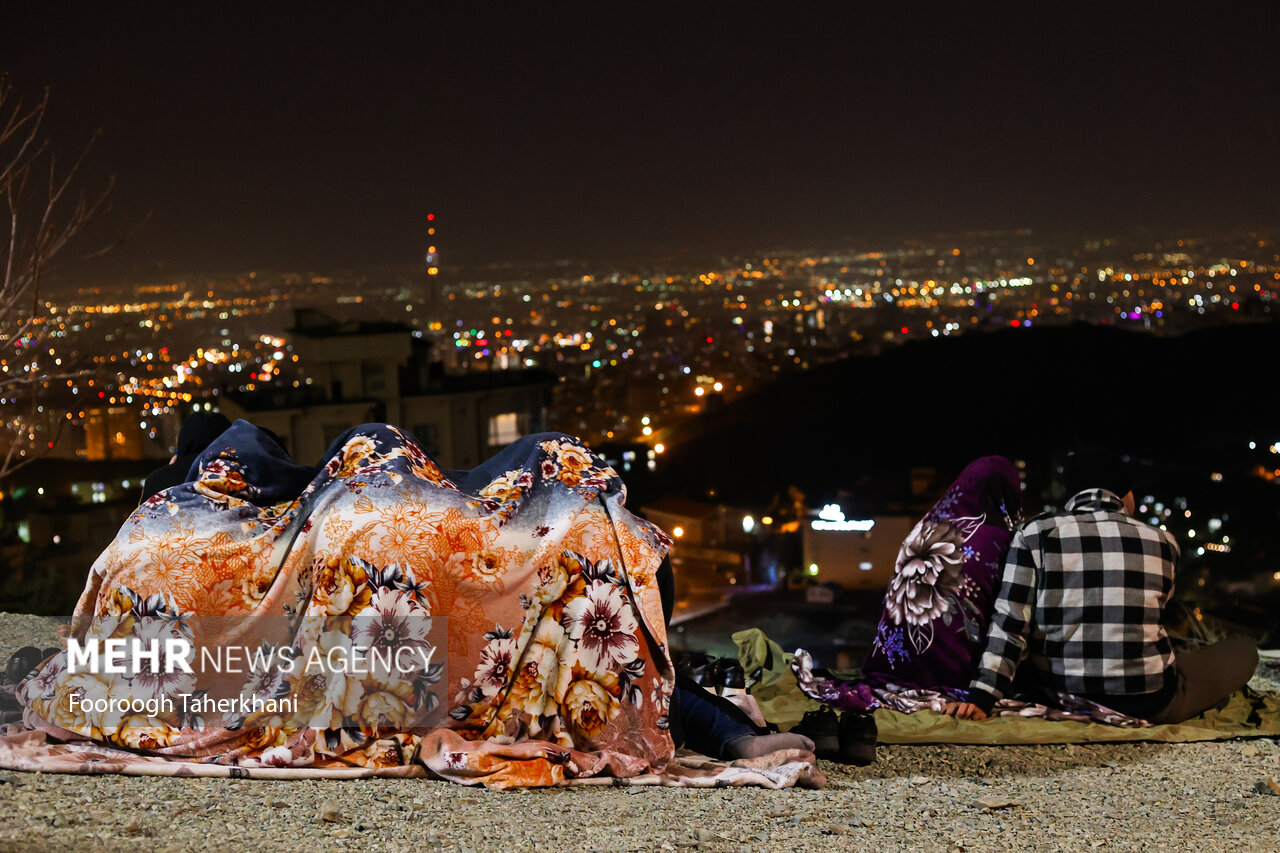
<point>304,138</point>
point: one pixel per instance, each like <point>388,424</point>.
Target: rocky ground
<point>1194,797</point>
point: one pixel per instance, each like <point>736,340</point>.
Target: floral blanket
<point>374,616</point>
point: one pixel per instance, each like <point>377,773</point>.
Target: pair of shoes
<point>23,661</point>
<point>723,676</point>
<point>823,728</point>
<point>849,738</point>
<point>857,737</point>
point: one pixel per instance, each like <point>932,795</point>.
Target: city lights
<point>629,349</point>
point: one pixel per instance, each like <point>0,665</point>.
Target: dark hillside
<point>1018,392</point>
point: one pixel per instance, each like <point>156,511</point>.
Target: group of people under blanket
<point>699,719</point>
<point>983,603</point>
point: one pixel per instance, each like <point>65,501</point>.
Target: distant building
<point>112,433</point>
<point>857,553</point>
<point>364,372</point>
<point>57,515</point>
<point>717,546</point>
<point>711,550</point>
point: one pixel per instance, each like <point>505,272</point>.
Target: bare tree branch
<point>48,211</point>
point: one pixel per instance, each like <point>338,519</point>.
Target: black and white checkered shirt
<point>1085,590</point>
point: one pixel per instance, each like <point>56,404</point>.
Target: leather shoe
<point>695,666</point>
<point>21,663</point>
<point>823,728</point>
<point>857,738</point>
<point>729,677</point>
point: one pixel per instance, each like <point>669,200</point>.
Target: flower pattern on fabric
<point>393,623</point>
<point>496,663</point>
<point>926,573</point>
<point>590,707</point>
<point>945,508</point>
<point>158,676</point>
<point>575,466</point>
<point>76,716</point>
<point>602,626</point>
<point>536,675</point>
<point>890,640</point>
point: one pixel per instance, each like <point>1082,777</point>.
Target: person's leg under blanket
<point>708,724</point>
<point>1207,676</point>
<point>716,727</point>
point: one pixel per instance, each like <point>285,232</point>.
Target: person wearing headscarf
<point>198,432</point>
<point>933,628</point>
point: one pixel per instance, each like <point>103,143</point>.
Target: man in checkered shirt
<point>1082,596</point>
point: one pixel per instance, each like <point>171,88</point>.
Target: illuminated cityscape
<point>637,355</point>
<point>638,351</point>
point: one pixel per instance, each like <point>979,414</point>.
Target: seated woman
<point>501,625</point>
<point>198,431</point>
<point>932,630</point>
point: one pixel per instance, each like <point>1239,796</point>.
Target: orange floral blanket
<point>375,616</point>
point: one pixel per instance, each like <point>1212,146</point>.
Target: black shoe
<point>857,737</point>
<point>823,728</point>
<point>696,667</point>
<point>21,663</point>
<point>728,677</point>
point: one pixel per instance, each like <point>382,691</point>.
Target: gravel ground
<point>1195,797</point>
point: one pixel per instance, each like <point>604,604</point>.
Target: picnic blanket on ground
<point>1247,713</point>
<point>770,679</point>
<point>499,626</point>
<point>786,687</point>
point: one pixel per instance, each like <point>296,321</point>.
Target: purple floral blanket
<point>940,598</point>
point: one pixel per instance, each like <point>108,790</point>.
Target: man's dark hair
<point>1096,468</point>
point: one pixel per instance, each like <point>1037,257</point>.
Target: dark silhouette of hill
<point>1018,392</point>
